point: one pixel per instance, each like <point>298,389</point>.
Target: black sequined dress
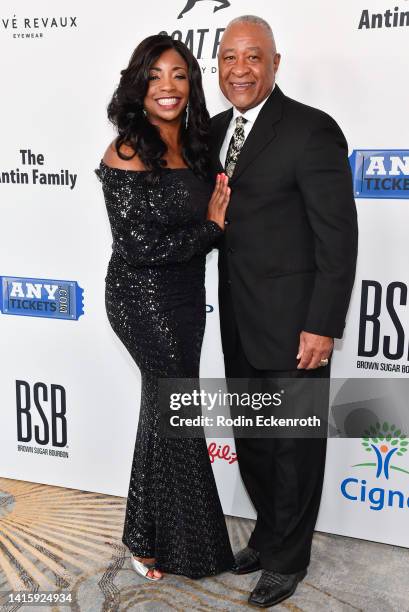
<point>155,302</point>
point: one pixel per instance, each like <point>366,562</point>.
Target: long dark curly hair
<point>125,110</point>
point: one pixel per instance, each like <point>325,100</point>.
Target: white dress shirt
<point>251,115</point>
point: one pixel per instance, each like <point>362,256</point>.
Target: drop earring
<point>187,115</point>
<point>144,112</point>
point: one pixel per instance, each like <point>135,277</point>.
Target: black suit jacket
<point>287,258</point>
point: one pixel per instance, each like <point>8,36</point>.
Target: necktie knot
<point>240,120</point>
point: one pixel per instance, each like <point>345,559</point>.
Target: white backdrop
<point>60,65</point>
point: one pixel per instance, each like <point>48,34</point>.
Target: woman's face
<point>168,89</point>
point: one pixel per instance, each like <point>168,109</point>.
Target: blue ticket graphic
<point>380,173</point>
<point>41,297</point>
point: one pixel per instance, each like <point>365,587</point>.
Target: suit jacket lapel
<point>219,134</point>
<point>262,132</point>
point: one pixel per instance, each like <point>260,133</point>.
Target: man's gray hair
<point>253,19</point>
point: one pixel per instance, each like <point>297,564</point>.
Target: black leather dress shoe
<point>246,561</point>
<point>272,588</point>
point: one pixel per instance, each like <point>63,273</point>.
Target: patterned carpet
<point>56,539</point>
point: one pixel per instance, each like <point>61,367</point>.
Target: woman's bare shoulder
<point>111,158</point>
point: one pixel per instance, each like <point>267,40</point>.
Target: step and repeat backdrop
<point>69,390</point>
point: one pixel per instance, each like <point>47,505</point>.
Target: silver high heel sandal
<point>143,570</point>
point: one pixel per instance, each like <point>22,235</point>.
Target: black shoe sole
<point>242,572</point>
<point>277,601</point>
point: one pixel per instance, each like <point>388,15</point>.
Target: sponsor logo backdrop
<point>70,391</point>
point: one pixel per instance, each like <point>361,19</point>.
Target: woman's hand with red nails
<point>216,210</point>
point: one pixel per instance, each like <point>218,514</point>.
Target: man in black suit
<point>286,271</point>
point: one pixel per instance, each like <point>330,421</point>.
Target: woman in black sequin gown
<point>163,221</point>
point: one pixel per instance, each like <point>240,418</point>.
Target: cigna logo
<point>385,443</point>
<point>381,174</point>
<point>220,4</point>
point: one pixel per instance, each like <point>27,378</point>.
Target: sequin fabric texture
<point>155,302</point>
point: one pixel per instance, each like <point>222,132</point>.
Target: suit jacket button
<point>230,250</point>
<point>226,221</point>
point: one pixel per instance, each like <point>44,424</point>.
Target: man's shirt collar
<point>252,114</point>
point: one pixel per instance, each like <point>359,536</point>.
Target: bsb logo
<point>382,321</point>
<point>41,413</point>
<point>40,297</point>
<point>385,443</point>
<point>380,173</point>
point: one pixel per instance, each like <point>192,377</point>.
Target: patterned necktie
<point>235,145</point>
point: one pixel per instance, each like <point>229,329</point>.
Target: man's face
<point>247,65</point>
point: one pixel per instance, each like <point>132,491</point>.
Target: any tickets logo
<point>41,297</point>
<point>380,173</point>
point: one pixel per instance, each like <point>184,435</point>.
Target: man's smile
<point>242,86</point>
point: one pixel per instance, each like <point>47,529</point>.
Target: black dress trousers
<point>283,476</point>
